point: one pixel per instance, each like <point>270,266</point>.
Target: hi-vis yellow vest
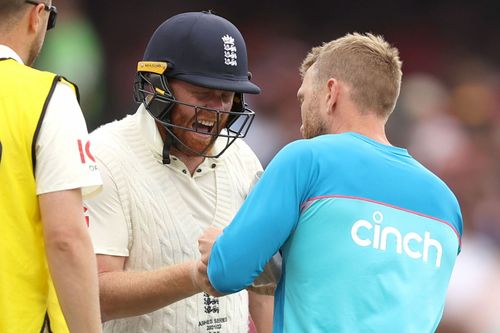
<point>27,297</point>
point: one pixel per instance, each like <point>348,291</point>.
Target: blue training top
<point>368,236</point>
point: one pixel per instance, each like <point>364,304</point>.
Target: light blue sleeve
<point>264,222</point>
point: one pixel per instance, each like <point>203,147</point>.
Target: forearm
<point>267,281</point>
<point>71,259</point>
<point>261,310</point>
<point>74,272</point>
<point>125,294</point>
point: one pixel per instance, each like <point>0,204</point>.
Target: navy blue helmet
<point>203,49</point>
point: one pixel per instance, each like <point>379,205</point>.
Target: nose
<point>216,102</point>
<point>219,101</point>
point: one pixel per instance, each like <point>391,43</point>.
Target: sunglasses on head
<point>52,13</point>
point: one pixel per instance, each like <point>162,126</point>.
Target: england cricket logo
<point>229,51</point>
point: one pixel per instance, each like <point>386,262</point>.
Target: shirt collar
<point>149,131</point>
<point>7,52</point>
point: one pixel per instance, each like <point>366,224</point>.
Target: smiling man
<point>174,168</point>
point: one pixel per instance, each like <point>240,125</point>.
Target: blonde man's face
<point>313,120</point>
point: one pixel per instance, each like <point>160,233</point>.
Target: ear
<point>333,89</point>
<point>35,18</point>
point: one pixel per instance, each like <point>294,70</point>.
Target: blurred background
<point>448,114</point>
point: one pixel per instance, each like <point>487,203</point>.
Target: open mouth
<point>203,126</point>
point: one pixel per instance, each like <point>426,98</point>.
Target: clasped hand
<point>200,275</point>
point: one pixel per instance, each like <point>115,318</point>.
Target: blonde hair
<point>367,63</point>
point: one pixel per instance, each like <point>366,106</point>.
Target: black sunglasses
<point>52,13</point>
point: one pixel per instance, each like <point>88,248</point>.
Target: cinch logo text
<point>412,244</point>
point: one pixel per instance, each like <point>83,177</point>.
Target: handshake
<point>264,284</point>
<point>200,274</point>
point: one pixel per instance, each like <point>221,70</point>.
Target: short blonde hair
<point>367,63</point>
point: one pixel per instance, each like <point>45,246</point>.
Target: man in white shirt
<point>174,168</point>
<point>45,167</point>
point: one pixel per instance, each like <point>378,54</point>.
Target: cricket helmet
<point>203,49</point>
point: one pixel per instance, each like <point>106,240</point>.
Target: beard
<point>310,132</point>
<point>313,125</point>
<point>192,147</point>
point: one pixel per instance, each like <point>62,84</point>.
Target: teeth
<point>206,123</point>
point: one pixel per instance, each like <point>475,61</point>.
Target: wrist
<point>194,276</point>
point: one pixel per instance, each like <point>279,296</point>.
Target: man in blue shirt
<point>368,236</point>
